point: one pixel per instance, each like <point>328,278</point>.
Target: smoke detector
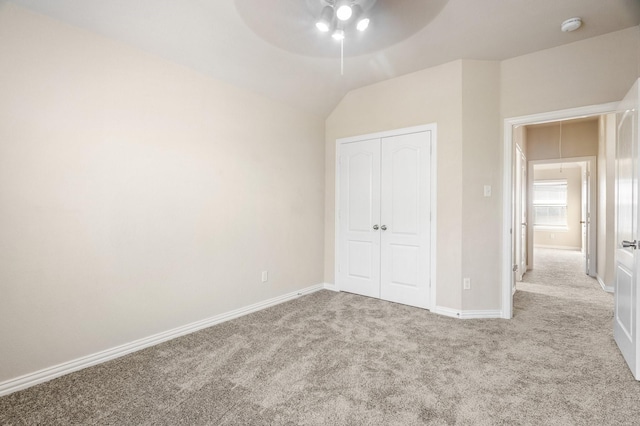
<point>571,24</point>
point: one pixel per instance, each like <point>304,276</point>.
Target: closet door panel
<point>359,247</point>
<point>405,213</point>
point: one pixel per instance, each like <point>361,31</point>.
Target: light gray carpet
<point>336,358</point>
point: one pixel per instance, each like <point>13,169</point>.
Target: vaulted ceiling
<point>272,47</point>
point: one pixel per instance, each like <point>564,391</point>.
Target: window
<point>550,203</point>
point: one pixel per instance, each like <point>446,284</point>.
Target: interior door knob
<point>383,227</point>
<point>375,227</point>
<point>633,244</point>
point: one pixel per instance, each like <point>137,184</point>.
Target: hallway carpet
<point>337,359</point>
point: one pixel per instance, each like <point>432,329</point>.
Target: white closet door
<point>405,219</point>
<point>359,257</point>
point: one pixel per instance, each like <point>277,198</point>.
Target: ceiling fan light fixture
<point>337,16</point>
<point>326,16</point>
<point>322,26</point>
<point>343,10</point>
<point>363,24</point>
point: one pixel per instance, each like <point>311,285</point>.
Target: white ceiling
<point>213,37</point>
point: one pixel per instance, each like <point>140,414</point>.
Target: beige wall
<point>137,196</point>
<point>588,72</point>
<point>572,237</point>
<point>433,95</point>
<point>579,139</point>
<point>481,147</point>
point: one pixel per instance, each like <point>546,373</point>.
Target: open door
<point>583,218</point>
<point>587,218</point>
<point>625,323</point>
<point>520,225</point>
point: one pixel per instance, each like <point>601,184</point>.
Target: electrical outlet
<point>265,276</point>
<point>487,190</point>
<point>466,283</point>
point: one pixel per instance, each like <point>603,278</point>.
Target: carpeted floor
<point>336,358</point>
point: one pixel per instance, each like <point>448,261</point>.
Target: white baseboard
<point>556,247</point>
<point>46,374</point>
<point>330,286</point>
<point>447,312</point>
<point>607,288</point>
<point>453,313</point>
<point>481,314</point>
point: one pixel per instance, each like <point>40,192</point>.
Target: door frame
<point>590,244</point>
<point>519,194</point>
<point>508,211</point>
<point>433,128</point>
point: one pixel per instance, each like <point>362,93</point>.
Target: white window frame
<point>547,227</point>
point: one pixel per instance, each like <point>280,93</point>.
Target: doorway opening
<point>518,161</point>
<point>563,209</point>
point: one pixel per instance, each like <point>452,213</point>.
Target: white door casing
<point>520,216</point>
<point>405,227</point>
<point>625,324</point>
<point>592,217</point>
<point>584,216</point>
<point>517,186</point>
<point>588,216</point>
<point>524,219</point>
<point>402,228</point>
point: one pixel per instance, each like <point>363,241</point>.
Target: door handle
<point>524,223</point>
<point>375,227</point>
<point>582,221</point>
<point>630,244</point>
<point>383,227</point>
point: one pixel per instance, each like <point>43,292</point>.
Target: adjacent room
<point>319,212</point>
<point>561,186</point>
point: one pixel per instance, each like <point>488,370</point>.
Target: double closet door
<point>384,218</point>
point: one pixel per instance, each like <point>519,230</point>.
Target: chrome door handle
<point>383,227</point>
<point>375,227</point>
<point>633,244</point>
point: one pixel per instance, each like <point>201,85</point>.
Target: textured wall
<point>481,215</point>
<point>137,196</point>
<point>588,72</point>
